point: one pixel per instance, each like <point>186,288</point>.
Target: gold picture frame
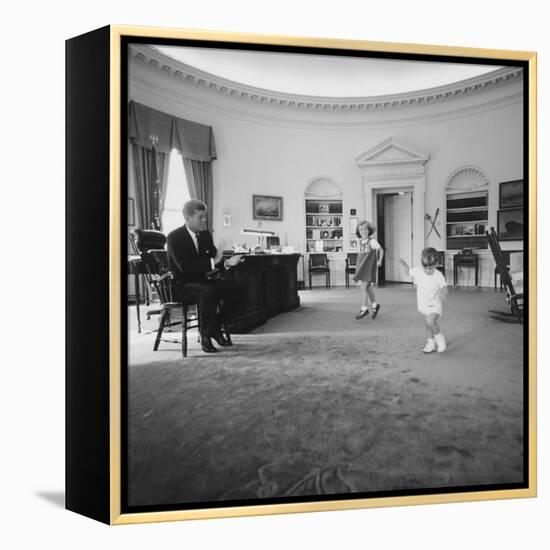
<point>96,450</point>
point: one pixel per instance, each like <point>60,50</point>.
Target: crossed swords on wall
<point>432,222</point>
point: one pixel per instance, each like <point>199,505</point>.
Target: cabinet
<point>324,225</point>
<point>467,219</point>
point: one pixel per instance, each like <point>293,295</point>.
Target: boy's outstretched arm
<point>380,256</point>
<point>404,265</point>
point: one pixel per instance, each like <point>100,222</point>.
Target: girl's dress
<point>367,261</point>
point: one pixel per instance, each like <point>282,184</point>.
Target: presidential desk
<point>269,283</point>
<point>270,287</point>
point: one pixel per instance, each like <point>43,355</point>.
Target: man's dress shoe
<point>207,345</point>
<point>221,340</point>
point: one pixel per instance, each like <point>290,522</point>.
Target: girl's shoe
<point>430,346</point>
<point>440,341</point>
<point>375,311</point>
<point>362,313</point>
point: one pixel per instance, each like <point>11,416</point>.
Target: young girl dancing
<point>369,259</point>
<point>431,289</point>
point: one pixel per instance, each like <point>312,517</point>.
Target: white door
<point>398,235</point>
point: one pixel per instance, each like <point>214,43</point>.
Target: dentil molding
<point>186,75</point>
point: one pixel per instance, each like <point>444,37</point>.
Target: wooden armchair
<point>175,313</point>
<point>153,259</point>
<point>318,265</point>
<point>515,299</point>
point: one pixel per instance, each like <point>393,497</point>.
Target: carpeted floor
<point>315,402</point>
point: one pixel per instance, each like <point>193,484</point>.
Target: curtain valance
<point>193,140</point>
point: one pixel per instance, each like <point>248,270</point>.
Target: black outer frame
<point>88,436</point>
<point>87,448</point>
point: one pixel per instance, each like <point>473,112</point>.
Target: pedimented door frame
<point>393,167</point>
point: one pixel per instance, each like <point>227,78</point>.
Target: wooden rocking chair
<point>515,299</point>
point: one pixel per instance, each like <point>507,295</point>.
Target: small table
<point>467,260</point>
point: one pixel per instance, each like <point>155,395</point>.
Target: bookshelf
<point>324,225</point>
<point>467,220</point>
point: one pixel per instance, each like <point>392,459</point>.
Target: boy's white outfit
<point>428,300</point>
<point>428,289</point>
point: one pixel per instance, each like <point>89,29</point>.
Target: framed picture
<point>510,194</point>
<point>172,415</point>
<point>267,208</point>
<point>511,224</point>
<point>131,212</point>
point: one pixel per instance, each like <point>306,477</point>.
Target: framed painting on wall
<point>267,208</point>
<point>510,224</point>
<point>511,194</point>
<point>161,428</point>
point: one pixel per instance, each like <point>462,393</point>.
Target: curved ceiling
<point>328,76</point>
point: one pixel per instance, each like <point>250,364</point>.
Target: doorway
<point>395,234</point>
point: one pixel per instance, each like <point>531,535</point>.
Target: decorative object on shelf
<point>323,209</point>
<point>354,243</point>
<point>265,207</point>
<point>432,222</point>
<point>510,224</point>
<point>131,213</point>
<point>324,234</point>
<point>510,194</point>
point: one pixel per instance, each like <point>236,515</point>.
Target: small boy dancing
<point>431,289</point>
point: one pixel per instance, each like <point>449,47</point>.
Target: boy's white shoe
<point>440,341</point>
<point>430,346</point>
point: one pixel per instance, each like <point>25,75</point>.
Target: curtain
<point>163,164</point>
<point>154,134</point>
<point>199,180</point>
<point>149,196</point>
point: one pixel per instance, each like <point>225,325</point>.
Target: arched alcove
<point>324,215</point>
<point>323,187</point>
<point>467,208</point>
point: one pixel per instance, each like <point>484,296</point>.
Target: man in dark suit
<point>191,256</point>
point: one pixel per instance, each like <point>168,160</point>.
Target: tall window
<point>177,193</point>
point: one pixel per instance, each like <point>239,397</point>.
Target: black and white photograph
<point>379,348</point>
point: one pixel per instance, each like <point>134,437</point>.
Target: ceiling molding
<point>239,110</point>
<point>187,75</point>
